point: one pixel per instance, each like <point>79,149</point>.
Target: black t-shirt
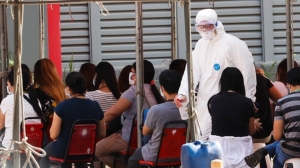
<point>47,103</point>
<point>264,111</point>
<point>69,111</point>
<point>230,113</point>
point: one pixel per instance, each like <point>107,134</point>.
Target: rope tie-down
<point>28,149</point>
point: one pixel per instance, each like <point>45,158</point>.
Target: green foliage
<point>71,67</point>
<point>268,71</point>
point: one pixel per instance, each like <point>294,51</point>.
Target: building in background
<point>92,37</point>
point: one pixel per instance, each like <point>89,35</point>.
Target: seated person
<point>7,106</point>
<point>286,126</point>
<point>127,106</point>
<point>157,117</point>
<point>232,115</point>
<point>67,112</point>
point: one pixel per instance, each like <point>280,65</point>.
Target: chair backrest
<point>34,131</point>
<point>132,144</point>
<point>172,138</point>
<point>82,140</point>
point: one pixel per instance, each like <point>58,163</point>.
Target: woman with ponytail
<point>106,93</point>
<point>31,106</point>
<point>127,106</point>
<point>67,112</point>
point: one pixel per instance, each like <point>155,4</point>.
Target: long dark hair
<point>149,73</point>
<point>178,65</point>
<point>232,79</point>
<point>88,72</point>
<point>106,72</point>
<point>282,71</point>
<point>46,78</point>
<point>123,81</point>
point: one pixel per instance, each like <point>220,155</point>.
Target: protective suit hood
<point>207,15</point>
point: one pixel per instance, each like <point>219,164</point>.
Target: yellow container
<point>217,163</point>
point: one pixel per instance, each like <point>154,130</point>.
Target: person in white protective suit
<point>215,51</point>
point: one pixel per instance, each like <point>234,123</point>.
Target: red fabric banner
<point>54,38</point>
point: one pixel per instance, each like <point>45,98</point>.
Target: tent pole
<point>139,65</point>
<point>4,55</point>
<point>187,18</point>
<point>290,57</point>
<point>18,10</point>
<point>42,30</point>
<point>173,30</point>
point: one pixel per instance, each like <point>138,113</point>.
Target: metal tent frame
<point>18,19</point>
<point>18,13</point>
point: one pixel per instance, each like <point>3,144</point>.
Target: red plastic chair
<point>172,138</point>
<point>132,145</point>
<point>81,146</point>
<point>34,132</point>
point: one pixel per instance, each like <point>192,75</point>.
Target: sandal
<point>253,159</point>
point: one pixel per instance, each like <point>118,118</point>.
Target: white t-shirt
<point>7,108</point>
<point>105,99</point>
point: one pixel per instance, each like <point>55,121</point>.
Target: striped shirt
<point>105,99</point>
<point>288,110</point>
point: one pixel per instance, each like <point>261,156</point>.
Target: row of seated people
<point>113,105</point>
<point>58,128</point>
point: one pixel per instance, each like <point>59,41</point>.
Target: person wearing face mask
<point>215,51</point>
<point>156,119</point>
<point>124,79</point>
<point>66,113</point>
<point>106,93</point>
<point>31,106</point>
<point>126,105</point>
<point>131,80</point>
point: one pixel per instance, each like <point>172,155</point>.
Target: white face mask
<point>208,35</point>
<point>161,93</point>
<point>94,80</point>
<point>68,94</point>
<point>9,92</point>
<point>131,82</point>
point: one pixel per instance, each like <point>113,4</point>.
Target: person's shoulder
<point>279,84</point>
<point>217,96</point>
<point>8,99</point>
<point>130,90</point>
<point>92,102</point>
<point>162,106</point>
<point>294,96</point>
<point>233,41</point>
<point>233,38</point>
<point>91,94</point>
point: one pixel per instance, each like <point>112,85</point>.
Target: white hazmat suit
<point>210,57</point>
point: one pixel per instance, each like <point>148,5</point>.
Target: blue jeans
<point>275,149</point>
